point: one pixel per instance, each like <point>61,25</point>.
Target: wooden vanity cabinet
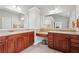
<point>64,42</point>
<point>31,38</point>
<point>58,41</point>
<point>26,40</point>
<point>2,44</point>
<point>50,40</point>
<point>16,42</point>
<point>74,44</point>
<point>1,47</point>
<point>61,42</point>
<point>19,44</point>
<point>11,44</point>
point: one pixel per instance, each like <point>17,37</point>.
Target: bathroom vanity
<point>64,41</point>
<point>13,42</point>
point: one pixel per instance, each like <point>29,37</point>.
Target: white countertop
<point>42,32</point>
<point>6,32</point>
<point>14,32</point>
<point>73,33</point>
<point>64,32</point>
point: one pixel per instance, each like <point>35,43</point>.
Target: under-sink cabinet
<point>16,42</point>
<point>63,42</point>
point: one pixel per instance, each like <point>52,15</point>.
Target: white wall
<point>34,18</point>
<point>26,21</point>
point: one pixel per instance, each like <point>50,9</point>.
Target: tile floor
<point>39,49</point>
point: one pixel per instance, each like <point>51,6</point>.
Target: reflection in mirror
<point>19,23</point>
<point>10,18</point>
<point>62,16</point>
<point>45,16</point>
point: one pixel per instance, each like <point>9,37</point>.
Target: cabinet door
<point>74,43</point>
<point>6,47</point>
<point>11,46</point>
<point>1,47</point>
<point>64,45</point>
<point>74,49</point>
<point>3,44</point>
<point>20,44</point>
<point>31,41</point>
<point>26,42</point>
<point>57,43</point>
<point>31,38</point>
<point>61,43</point>
<point>50,40</point>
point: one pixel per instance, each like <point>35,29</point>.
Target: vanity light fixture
<point>22,18</point>
<point>55,11</point>
<point>16,7</point>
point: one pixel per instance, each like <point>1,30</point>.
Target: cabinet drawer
<point>74,37</point>
<point>75,44</point>
<point>60,35</point>
<point>74,50</point>
<point>50,38</point>
<point>75,40</point>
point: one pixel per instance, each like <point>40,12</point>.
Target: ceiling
<point>45,8</point>
<point>48,7</point>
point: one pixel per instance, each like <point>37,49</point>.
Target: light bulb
<point>18,8</point>
<point>14,6</point>
<point>22,18</point>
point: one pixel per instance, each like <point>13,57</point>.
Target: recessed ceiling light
<point>56,10</point>
<point>22,18</point>
<point>18,8</point>
<point>14,6</point>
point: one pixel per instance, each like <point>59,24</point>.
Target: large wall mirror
<point>61,16</point>
<point>11,17</point>
<point>50,16</point>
